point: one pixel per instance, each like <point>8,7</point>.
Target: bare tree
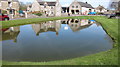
<point>23,6</point>
<point>115,4</point>
<point>119,6</point>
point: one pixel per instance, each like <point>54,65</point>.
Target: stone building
<point>101,9</point>
<point>10,6</point>
<point>77,7</point>
<point>48,8</point>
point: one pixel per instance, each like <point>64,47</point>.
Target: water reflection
<point>54,40</point>
<point>78,24</point>
<point>55,26</point>
<point>10,33</point>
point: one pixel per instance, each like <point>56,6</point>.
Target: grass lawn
<point>109,57</point>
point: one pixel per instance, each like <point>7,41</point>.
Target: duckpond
<point>54,40</point>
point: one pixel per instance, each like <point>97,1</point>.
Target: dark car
<point>114,15</point>
<point>3,17</point>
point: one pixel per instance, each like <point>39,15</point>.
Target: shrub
<point>100,13</point>
<point>4,12</point>
<point>38,14</point>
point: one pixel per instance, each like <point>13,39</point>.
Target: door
<point>1,17</point>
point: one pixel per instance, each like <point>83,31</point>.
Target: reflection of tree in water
<point>10,33</point>
<point>53,26</point>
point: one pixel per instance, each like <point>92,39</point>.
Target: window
<point>90,10</point>
<point>51,12</point>
<point>45,12</point>
<point>76,6</point>
<point>11,11</point>
<point>72,6</point>
<point>51,7</point>
<point>0,4</point>
<point>0,11</point>
<point>10,4</point>
<point>45,6</point>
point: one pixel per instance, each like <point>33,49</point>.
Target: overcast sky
<point>94,3</point>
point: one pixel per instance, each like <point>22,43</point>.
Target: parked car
<point>92,13</point>
<point>114,15</point>
<point>21,13</point>
<point>3,30</point>
<point>3,17</point>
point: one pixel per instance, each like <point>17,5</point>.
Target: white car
<point>22,15</point>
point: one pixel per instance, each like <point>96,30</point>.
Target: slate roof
<point>51,3</point>
<point>85,5</point>
<point>48,3</point>
<point>41,3</point>
<point>100,7</point>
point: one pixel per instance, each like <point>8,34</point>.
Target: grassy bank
<point>104,58</point>
<point>6,24</point>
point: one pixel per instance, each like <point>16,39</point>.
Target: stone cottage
<point>101,9</point>
<point>10,6</point>
<point>48,8</point>
<point>77,7</point>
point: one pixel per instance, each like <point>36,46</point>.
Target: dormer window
<point>45,5</point>
<point>10,4</point>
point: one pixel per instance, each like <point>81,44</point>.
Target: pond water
<point>54,40</point>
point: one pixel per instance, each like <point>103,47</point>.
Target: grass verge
<point>109,57</point>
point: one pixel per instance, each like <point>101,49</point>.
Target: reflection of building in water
<point>53,26</point>
<point>10,33</point>
<point>74,24</point>
<point>77,24</point>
